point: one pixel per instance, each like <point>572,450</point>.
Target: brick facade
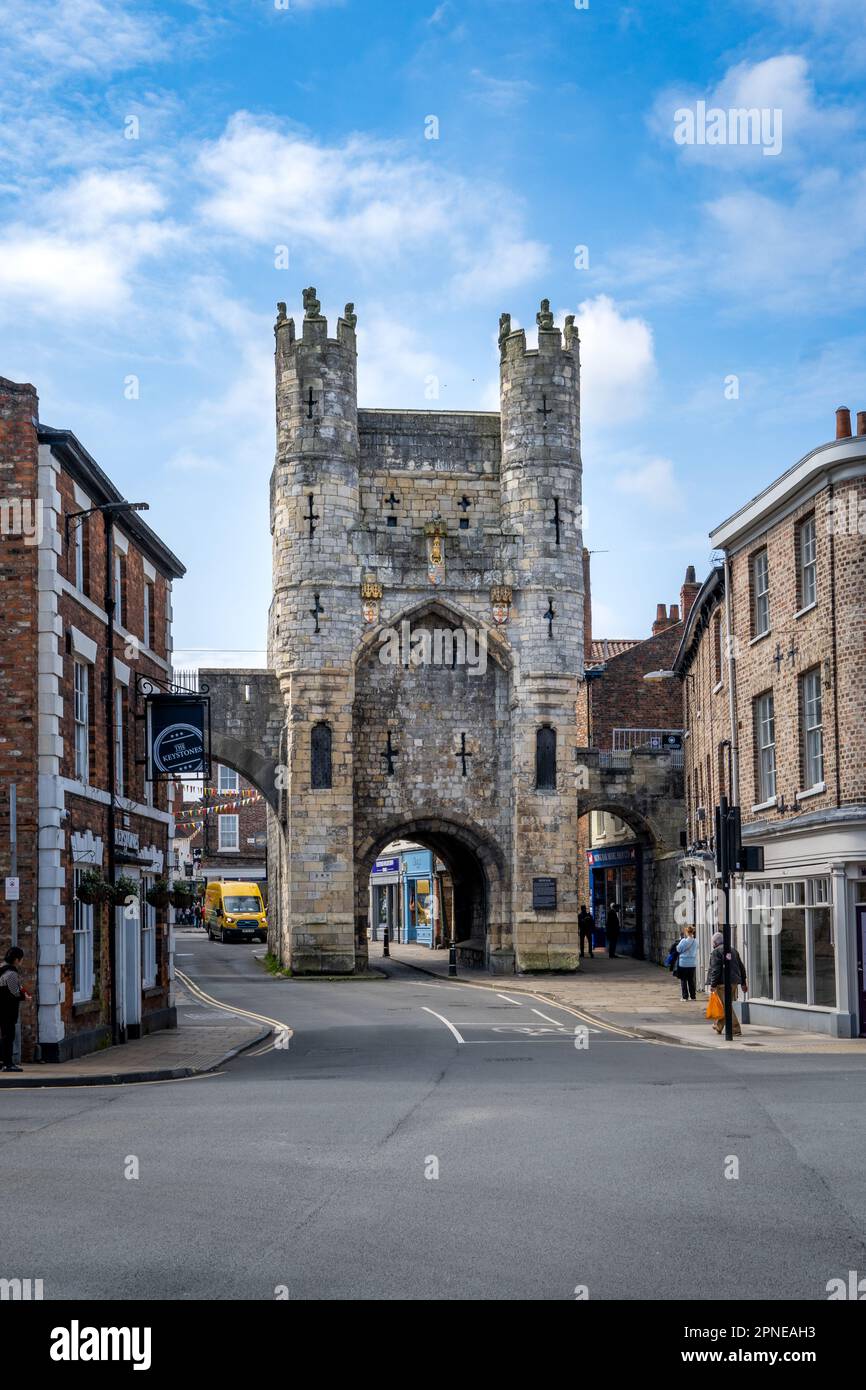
<point>198,839</point>
<point>58,643</point>
<point>795,566</point>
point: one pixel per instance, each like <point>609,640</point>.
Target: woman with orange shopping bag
<point>715,982</point>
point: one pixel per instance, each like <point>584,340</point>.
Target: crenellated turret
<point>541,486</point>
<point>314,486</point>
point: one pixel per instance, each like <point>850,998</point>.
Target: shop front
<point>420,898</point>
<point>615,877</point>
<point>385,899</point>
<point>805,931</point>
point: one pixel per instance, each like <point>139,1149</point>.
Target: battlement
<point>551,340</point>
<point>314,328</point>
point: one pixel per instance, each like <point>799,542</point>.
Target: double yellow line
<point>275,1024</point>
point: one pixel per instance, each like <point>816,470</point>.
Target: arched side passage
<point>478,871</point>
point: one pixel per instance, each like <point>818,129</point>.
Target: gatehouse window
<point>545,758</point>
<point>320,757</point>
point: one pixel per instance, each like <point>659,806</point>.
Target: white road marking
<point>554,1021</point>
<point>507,1000</point>
<point>445,1021</point>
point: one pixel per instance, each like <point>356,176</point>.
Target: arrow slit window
<point>545,758</point>
<point>320,757</point>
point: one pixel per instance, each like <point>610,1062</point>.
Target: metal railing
<point>662,740</point>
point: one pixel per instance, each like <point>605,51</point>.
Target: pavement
<point>206,1038</point>
<point>641,998</point>
<point>429,1140</point>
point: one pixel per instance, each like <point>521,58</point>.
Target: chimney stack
<point>674,614</point>
<point>843,422</point>
<point>861,422</point>
<point>661,621</point>
<point>689,592</point>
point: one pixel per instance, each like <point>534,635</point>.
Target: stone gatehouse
<point>426,521</point>
<point>426,651</point>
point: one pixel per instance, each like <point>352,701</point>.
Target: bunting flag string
<point>197,813</point>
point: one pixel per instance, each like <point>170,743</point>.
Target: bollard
<point>386,944</point>
<point>452,960</point>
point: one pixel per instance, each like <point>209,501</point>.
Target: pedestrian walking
<point>716,980</point>
<point>11,993</point>
<point>687,963</point>
<point>585,924</point>
<point>611,926</point>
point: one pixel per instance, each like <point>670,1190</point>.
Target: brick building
<point>620,710</point>
<point>776,716</point>
<point>222,830</point>
<point>64,717</point>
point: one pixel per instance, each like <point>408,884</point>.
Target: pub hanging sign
<point>177,744</point>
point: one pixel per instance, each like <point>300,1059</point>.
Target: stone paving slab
<point>203,1041</point>
<point>631,994</point>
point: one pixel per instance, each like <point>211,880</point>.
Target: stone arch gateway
<point>428,613</point>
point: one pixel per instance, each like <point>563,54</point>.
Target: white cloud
<point>791,254</point>
<point>394,361</point>
<point>80,246</point>
<point>83,36</point>
<point>778,84</point>
<point>617,362</point>
<point>368,201</point>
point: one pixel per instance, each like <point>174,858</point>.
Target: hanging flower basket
<point>91,887</point>
<point>158,895</point>
<point>182,893</point>
<point>123,891</point>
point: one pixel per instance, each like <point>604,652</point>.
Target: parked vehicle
<point>234,912</point>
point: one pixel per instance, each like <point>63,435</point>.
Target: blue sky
<point>260,127</point>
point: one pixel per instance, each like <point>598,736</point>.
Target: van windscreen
<point>245,904</point>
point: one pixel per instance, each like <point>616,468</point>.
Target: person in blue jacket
<point>687,956</point>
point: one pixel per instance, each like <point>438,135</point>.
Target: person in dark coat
<point>611,927</point>
<point>716,979</point>
<point>585,923</point>
<point>11,993</point>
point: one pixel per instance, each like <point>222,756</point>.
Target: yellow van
<point>234,912</point>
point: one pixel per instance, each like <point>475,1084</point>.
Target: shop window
<point>320,757</point>
<point>792,951</point>
<point>545,758</point>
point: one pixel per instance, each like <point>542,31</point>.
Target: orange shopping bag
<point>715,1007</point>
